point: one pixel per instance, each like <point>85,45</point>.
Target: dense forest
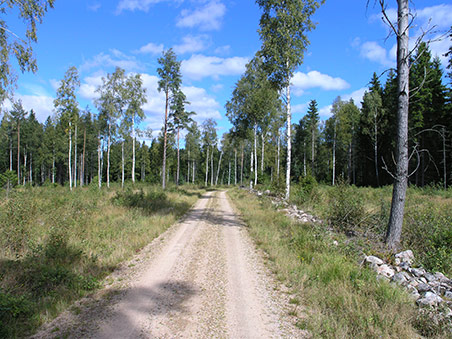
<point>78,146</point>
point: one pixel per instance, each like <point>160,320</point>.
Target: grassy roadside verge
<point>56,245</point>
<point>342,300</point>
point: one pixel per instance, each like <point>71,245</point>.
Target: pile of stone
<point>427,289</point>
<point>290,210</point>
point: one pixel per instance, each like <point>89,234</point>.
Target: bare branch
<point>385,167</point>
<point>418,162</point>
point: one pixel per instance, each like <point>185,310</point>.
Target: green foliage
<point>428,231</point>
<point>56,245</point>
<point>8,180</point>
<point>346,208</point>
<point>356,304</point>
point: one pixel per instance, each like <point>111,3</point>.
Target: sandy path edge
<point>202,278</point>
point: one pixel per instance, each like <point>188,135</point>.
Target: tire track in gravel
<point>204,280</point>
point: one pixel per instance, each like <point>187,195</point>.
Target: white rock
<point>423,288</point>
<point>429,299</point>
<point>405,256</point>
<point>448,294</point>
<point>399,278</point>
<point>373,260</point>
<point>386,271</point>
<point>441,277</point>
<point>418,272</point>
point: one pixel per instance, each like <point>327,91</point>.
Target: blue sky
<point>214,39</point>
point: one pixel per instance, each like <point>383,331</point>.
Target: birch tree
<point>135,99</point>
<point>18,115</point>
<point>16,46</point>
<point>67,108</point>
<point>170,82</point>
<point>283,29</point>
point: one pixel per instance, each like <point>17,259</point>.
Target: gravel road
<point>203,278</point>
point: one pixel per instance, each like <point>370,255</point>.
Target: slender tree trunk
<point>25,166</point>
<point>241,167</point>
<point>235,166</point>
<point>252,165</point>
<point>178,158</point>
<point>82,177</point>
<point>278,161</point>
<point>193,172</point>
<point>99,164</point>
<point>376,149</point>
<point>11,154</point>
<point>18,152</point>
<point>31,168</point>
<point>108,155</point>
<point>218,170</point>
<point>188,166</point>
<point>255,155</point>
<point>263,153</point>
<point>75,156</point>
<point>211,167</point>
<point>349,174</point>
<point>53,165</point>
<point>165,136</point>
<point>122,164</point>
<point>289,143</point>
<point>444,157</point>
<point>207,165</point>
<point>334,153</point>
<point>304,158</point>
<point>313,150</point>
<point>70,155</point>
<point>133,149</point>
<point>401,177</point>
<point>229,174</point>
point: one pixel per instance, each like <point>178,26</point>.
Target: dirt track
<point>203,278</point>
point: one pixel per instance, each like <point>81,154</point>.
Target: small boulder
<point>441,277</point>
<point>429,299</point>
<point>430,277</point>
<point>399,278</point>
<point>385,271</point>
<point>418,272</point>
<point>373,260</point>
<point>405,256</point>
<point>423,287</point>
<point>448,295</point>
<point>405,266</point>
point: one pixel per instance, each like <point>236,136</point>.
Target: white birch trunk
<point>108,154</point>
<point>235,166</point>
<point>122,164</point>
<point>211,168</point>
<point>99,165</point>
<point>289,144</point>
<point>70,155</point>
<point>207,165</point>
<point>218,170</point>
<point>334,152</point>
<point>75,156</point>
<point>133,149</point>
<point>255,155</point>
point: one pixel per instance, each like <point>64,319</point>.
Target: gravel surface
<point>203,278</point>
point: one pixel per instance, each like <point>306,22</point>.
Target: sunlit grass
<point>57,245</point>
<point>342,299</point>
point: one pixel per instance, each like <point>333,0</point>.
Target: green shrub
<point>346,208</point>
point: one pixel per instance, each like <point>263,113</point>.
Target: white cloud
<point>150,48</point>
<point>191,44</point>
<point>440,16</point>
<point>136,5</point>
<point>116,58</point>
<point>357,96</point>
<point>223,50</point>
<point>89,85</point>
<point>42,105</point>
<point>204,105</point>
<point>302,81</point>
<point>300,108</point>
<point>201,66</point>
<point>94,7</point>
<point>372,51</point>
<point>325,112</point>
<point>206,18</point>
